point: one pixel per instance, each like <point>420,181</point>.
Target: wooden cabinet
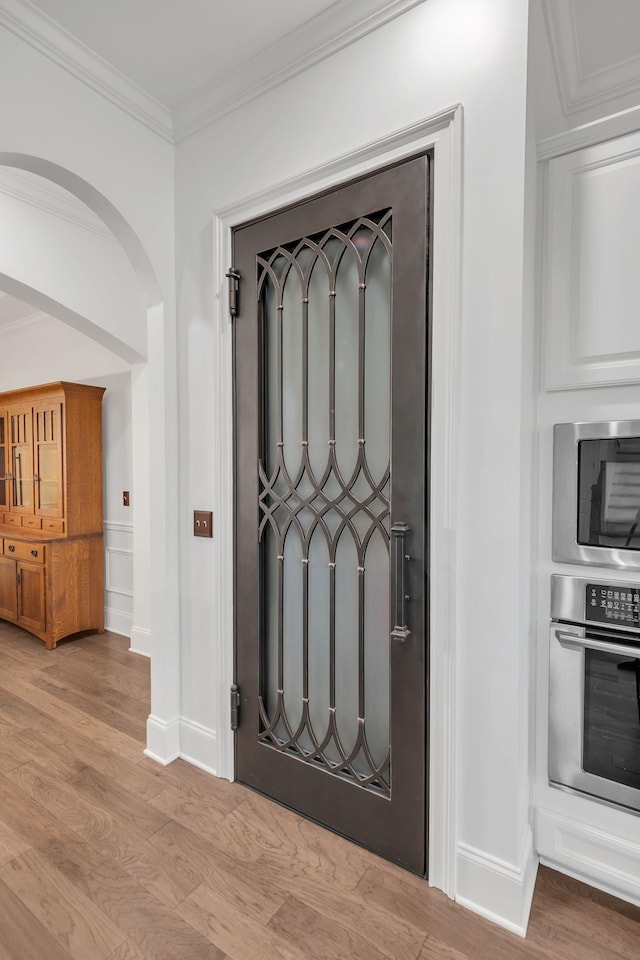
<point>31,594</point>
<point>51,545</point>
<point>8,589</point>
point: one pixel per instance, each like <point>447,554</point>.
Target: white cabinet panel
<point>591,264</point>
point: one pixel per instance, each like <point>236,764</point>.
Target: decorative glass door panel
<point>331,431</point>
<point>47,422</point>
<point>326,559</point>
<point>21,461</point>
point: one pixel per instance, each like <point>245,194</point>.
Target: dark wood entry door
<point>331,402</point>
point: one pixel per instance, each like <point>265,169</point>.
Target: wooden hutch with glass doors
<point>51,533</point>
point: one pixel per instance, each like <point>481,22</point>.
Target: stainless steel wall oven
<point>594,688</point>
<point>596,493</point>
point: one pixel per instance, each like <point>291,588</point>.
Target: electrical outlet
<point>125,498</point>
<point>202,523</point>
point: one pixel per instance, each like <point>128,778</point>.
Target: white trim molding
<point>313,41</point>
<point>507,889</point>
<point>443,134</point>
<point>15,327</point>
<point>198,745</point>
<point>579,90</point>
<point>589,134</point>
<point>46,36</point>
<point>117,621</point>
<point>163,740</point>
<point>595,856</point>
<point>118,526</point>
<point>46,196</point>
<point>140,641</point>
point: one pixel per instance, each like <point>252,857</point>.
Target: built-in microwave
<point>596,493</point>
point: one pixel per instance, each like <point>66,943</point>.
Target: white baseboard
<point>499,891</point>
<point>199,745</point>
<point>163,740</point>
<point>117,621</point>
<point>590,854</point>
<point>140,641</point>
<point>183,738</point>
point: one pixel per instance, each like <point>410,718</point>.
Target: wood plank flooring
<point>104,855</point>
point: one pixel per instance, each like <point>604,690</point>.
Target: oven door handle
<point>580,641</point>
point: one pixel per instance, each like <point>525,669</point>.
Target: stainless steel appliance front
<point>596,493</point>
<point>594,688</point>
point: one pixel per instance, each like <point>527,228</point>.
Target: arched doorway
<point>105,289</point>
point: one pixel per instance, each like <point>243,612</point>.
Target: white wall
<point>117,451</point>
<point>56,126</point>
<point>88,275</point>
<point>443,52</point>
<point>52,116</point>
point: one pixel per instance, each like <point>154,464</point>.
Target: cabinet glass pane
<point>22,476</point>
<point>3,454</point>
<point>49,476</point>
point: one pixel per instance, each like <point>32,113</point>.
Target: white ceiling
<point>172,49</point>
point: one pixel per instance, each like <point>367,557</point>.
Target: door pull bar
<point>400,630</point>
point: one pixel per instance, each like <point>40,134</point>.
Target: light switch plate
<point>202,523</point>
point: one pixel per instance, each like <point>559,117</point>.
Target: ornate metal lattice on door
<point>324,498</point>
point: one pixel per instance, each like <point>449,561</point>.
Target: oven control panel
<point>617,605</point>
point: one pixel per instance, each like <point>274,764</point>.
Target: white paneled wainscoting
<point>118,577</point>
<point>119,610</point>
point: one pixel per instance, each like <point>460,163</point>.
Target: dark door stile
<point>391,823</point>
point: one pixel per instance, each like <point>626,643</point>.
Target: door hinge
<point>234,285</point>
<point>235,706</point>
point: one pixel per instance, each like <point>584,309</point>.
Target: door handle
<point>581,642</point>
<point>400,630</point>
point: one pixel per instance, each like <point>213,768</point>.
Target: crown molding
<point>578,90</point>
<point>42,195</point>
<point>329,32</point>
<point>54,42</point>
<point>32,322</point>
<point>589,134</point>
<point>335,28</point>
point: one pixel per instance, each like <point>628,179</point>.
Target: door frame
<point>443,134</point>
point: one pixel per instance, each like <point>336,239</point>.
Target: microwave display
<point>609,492</point>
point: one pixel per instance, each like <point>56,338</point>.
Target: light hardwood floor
<point>104,855</point>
